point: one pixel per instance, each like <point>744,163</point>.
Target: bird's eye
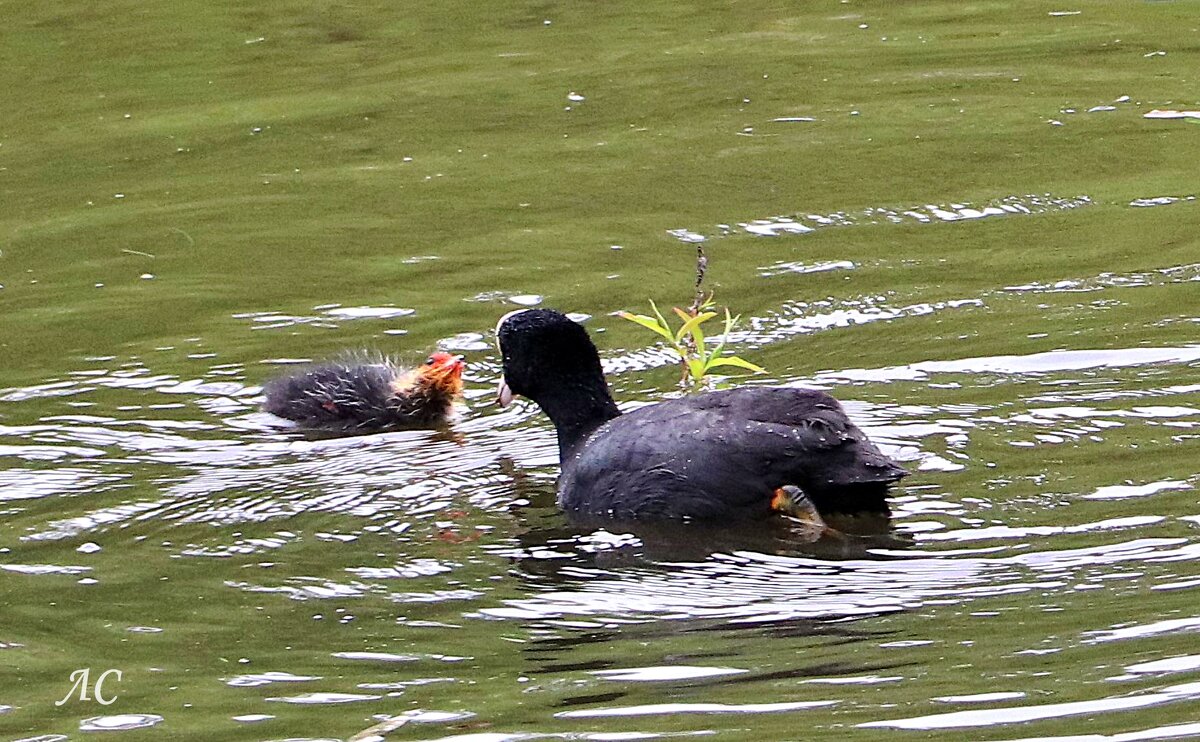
<point>429,361</point>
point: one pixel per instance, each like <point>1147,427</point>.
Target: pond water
<point>976,224</point>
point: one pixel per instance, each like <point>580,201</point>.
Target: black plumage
<point>362,397</point>
<point>711,456</point>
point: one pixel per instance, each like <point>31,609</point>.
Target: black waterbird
<point>726,455</point>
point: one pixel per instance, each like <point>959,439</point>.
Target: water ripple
<point>923,214</point>
<point>119,722</point>
<point>695,708</point>
<point>1019,714</point>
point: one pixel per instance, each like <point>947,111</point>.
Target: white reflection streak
<point>694,708</point>
<point>1033,363</point>
<point>1018,714</point>
<point>1174,731</point>
<point>1151,629</point>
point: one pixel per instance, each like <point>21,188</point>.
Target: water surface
<point>973,224</point>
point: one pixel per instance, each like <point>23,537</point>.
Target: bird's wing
<point>726,450</point>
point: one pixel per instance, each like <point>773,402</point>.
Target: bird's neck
<point>576,411</point>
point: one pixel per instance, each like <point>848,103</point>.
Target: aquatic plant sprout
<point>690,343</point>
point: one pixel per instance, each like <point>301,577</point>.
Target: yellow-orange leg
<point>791,502</point>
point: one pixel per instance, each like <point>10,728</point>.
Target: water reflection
<point>1018,714</point>
<point>1173,731</point>
<point>119,722</point>
<point>743,587</point>
<point>923,214</point>
<point>695,708</point>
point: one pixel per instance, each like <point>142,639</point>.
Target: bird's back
<point>335,397</point>
<point>722,455</point>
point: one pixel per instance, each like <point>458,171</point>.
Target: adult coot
<point>733,454</point>
<point>358,397</point>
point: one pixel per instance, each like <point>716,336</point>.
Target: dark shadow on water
<point>613,544</point>
<point>440,433</point>
<point>603,542</point>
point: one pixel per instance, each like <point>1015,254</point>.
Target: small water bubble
<point>89,548</point>
<point>575,97</point>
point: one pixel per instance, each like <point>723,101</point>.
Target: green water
<point>190,191</point>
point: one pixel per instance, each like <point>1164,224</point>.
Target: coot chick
<point>357,397</point>
<point>734,454</point>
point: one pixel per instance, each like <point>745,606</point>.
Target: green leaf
<point>661,320</point>
<point>734,361</point>
<point>729,322</point>
<point>683,316</point>
<point>666,331</point>
<point>648,322</point>
<point>716,352</point>
<point>692,325</point>
<point>696,359</point>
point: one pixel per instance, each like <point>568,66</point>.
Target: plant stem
<point>701,268</point>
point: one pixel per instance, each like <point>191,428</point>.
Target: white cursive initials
<point>81,679</point>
